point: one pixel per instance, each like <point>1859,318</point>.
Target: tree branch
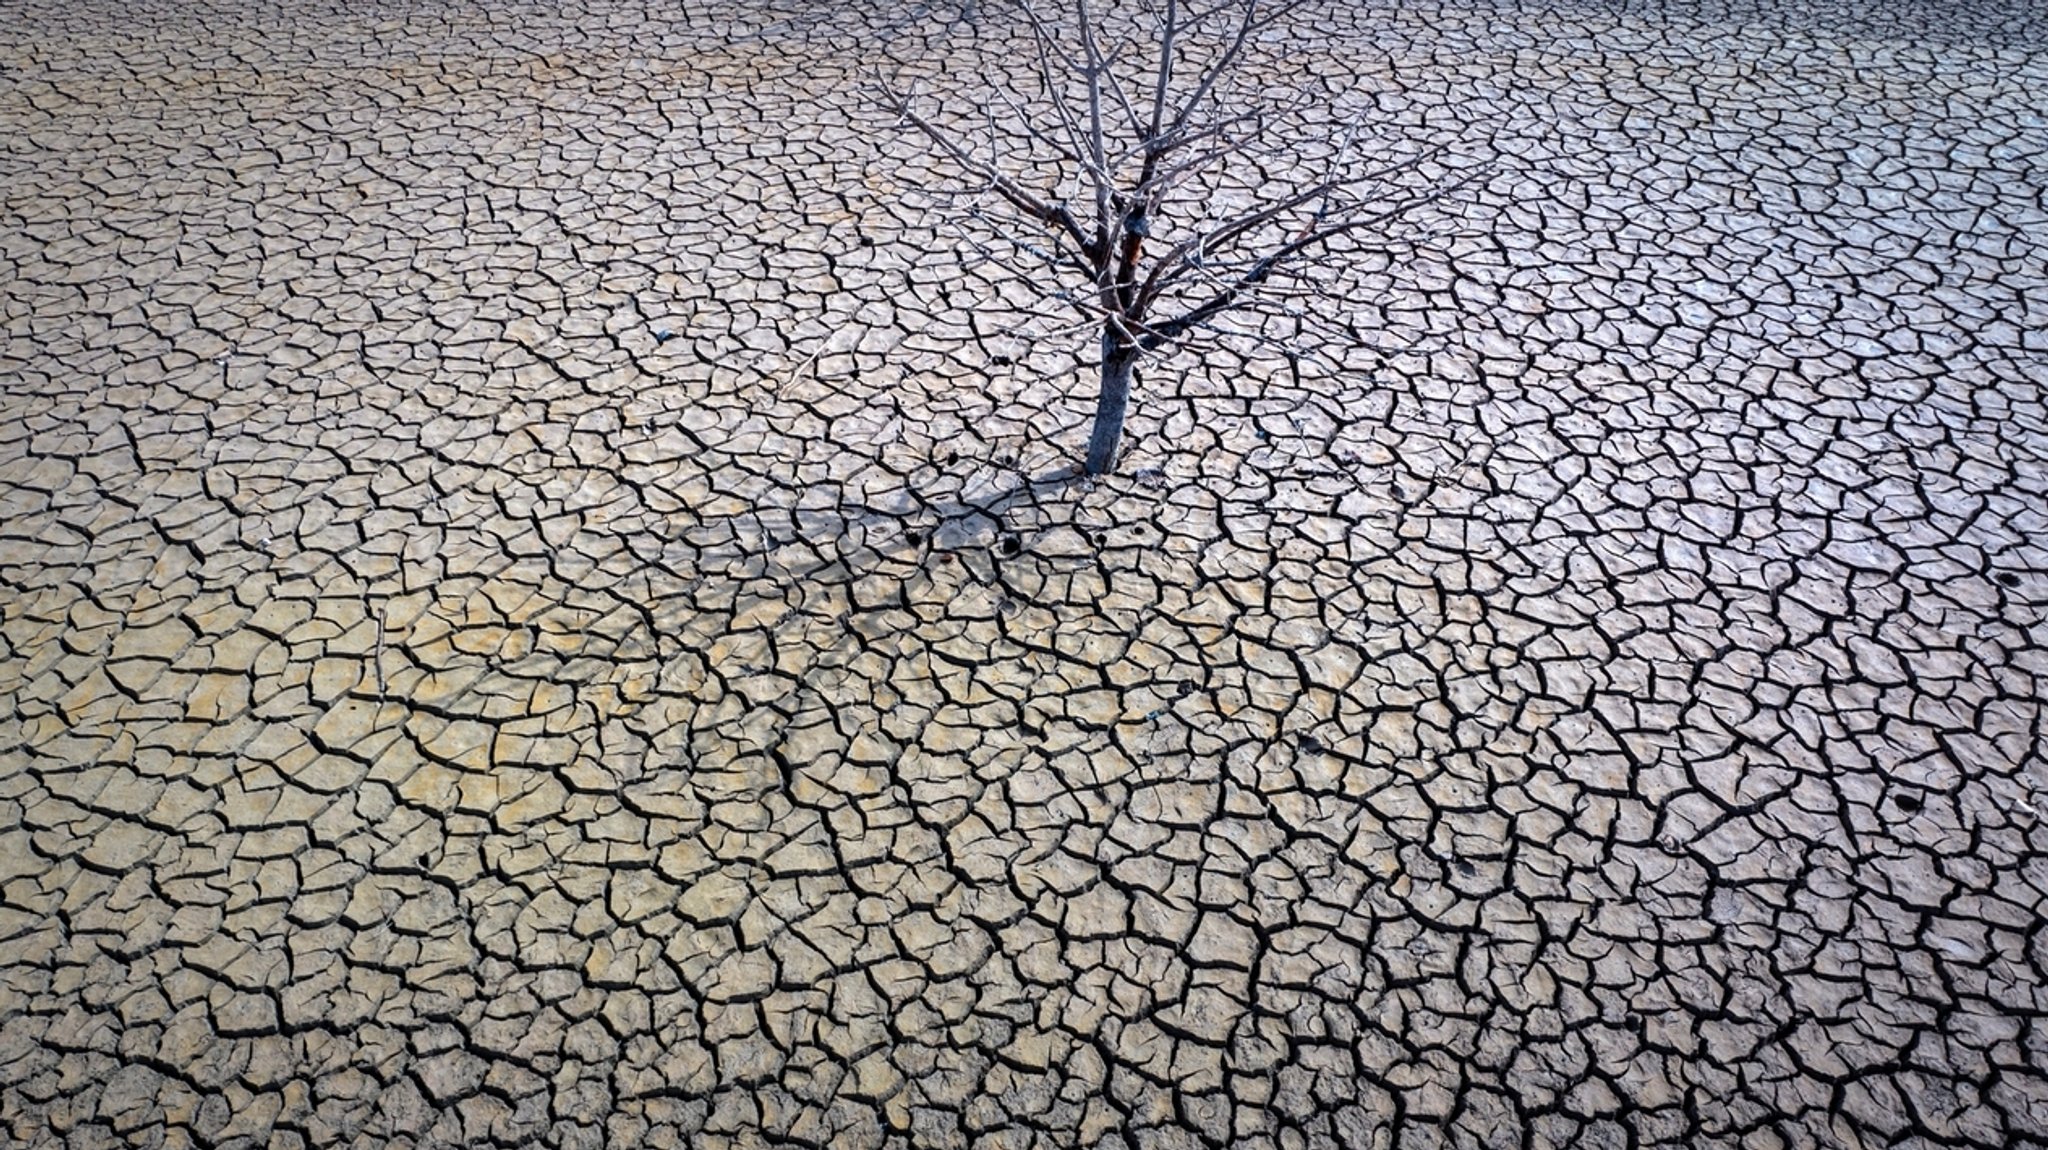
<point>1017,195</point>
<point>1157,335</point>
<point>1173,265</point>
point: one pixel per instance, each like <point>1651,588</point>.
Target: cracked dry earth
<point>526,619</point>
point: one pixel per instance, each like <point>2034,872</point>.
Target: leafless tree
<point>1162,183</point>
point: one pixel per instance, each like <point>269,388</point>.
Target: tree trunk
<point>1119,357</point>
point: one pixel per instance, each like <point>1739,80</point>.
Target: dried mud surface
<point>530,613</point>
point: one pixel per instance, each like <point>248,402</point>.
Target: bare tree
<point>1164,183</point>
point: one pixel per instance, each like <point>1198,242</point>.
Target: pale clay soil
<point>526,620</point>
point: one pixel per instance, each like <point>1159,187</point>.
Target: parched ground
<point>525,616</point>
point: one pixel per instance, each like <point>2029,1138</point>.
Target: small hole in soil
<point>1907,803</point>
<point>2008,578</point>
